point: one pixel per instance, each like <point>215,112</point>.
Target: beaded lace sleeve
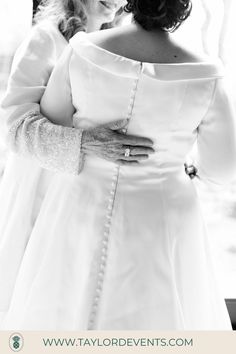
<point>29,133</point>
<point>55,147</point>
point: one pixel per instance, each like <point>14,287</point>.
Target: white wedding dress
<point>125,248</point>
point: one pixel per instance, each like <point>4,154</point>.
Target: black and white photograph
<point>117,165</point>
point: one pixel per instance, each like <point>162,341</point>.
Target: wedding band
<point>127,152</point>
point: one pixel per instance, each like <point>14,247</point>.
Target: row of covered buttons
<point>108,218</point>
<point>104,250</point>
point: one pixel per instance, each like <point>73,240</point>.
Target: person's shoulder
<point>38,48</point>
<point>106,39</point>
<point>44,30</point>
<point>103,35</point>
<point>187,56</point>
<point>123,40</point>
<point>41,40</point>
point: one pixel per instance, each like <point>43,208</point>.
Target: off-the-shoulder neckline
<point>84,35</point>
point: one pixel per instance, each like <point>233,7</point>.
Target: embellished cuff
<point>54,147</point>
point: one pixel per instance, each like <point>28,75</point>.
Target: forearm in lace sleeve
<point>54,147</point>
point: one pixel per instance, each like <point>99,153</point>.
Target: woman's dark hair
<point>166,15</point>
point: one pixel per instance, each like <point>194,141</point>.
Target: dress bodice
<point>173,104</point>
<point>165,102</point>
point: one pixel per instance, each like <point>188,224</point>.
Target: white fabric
<point>13,29</point>
<point>29,133</point>
<point>24,183</point>
<point>120,247</point>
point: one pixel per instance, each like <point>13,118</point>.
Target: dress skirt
<point>116,248</point>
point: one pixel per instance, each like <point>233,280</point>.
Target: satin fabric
<point>120,247</point>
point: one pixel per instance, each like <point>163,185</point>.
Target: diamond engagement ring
<point>127,152</point>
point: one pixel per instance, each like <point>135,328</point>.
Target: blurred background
<point>211,28</point>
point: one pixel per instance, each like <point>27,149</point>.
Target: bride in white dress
<point>121,247</point>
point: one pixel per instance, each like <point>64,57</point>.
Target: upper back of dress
<point>164,101</point>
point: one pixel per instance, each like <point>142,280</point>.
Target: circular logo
<point>16,342</point>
